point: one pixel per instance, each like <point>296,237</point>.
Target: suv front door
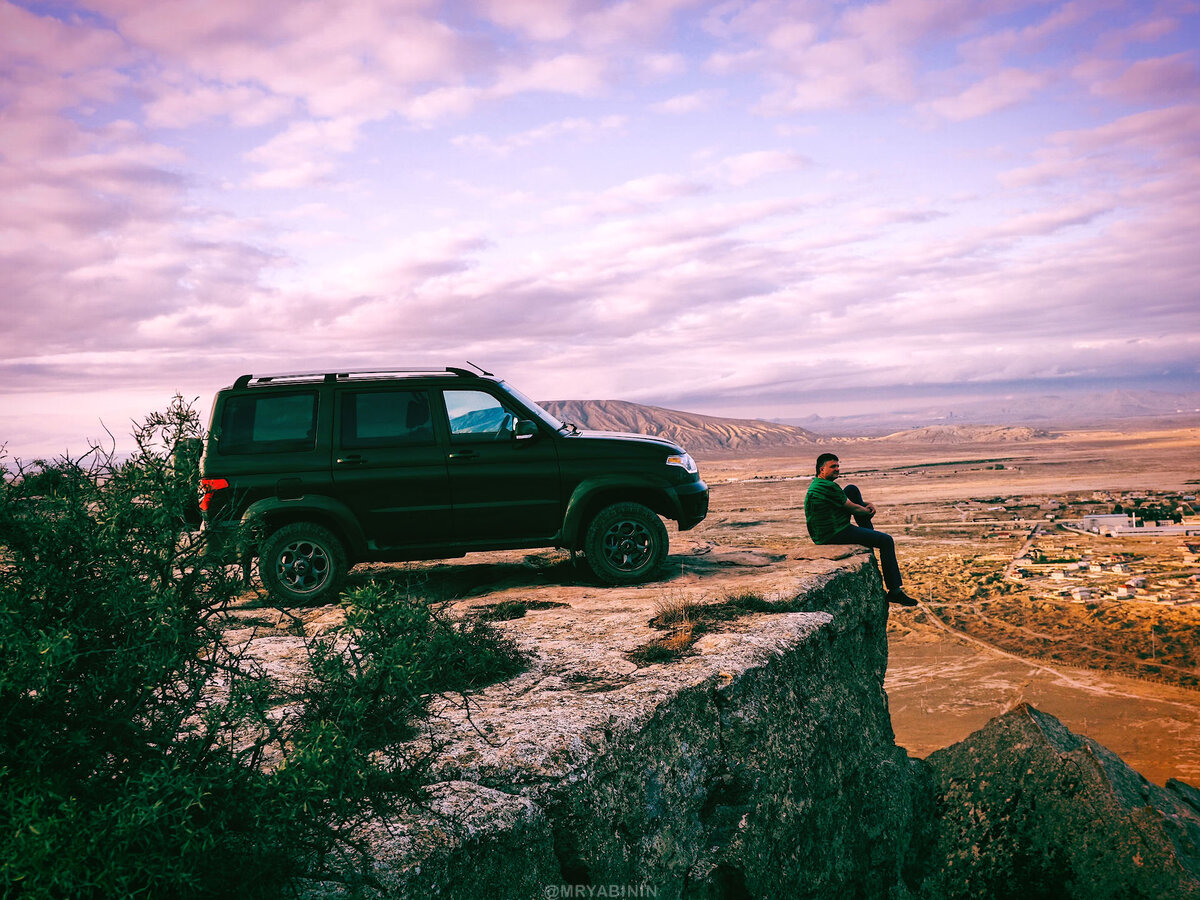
<point>502,487</point>
<point>390,467</point>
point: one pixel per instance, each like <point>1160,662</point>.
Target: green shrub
<point>116,766</point>
<point>369,680</point>
<point>140,755</point>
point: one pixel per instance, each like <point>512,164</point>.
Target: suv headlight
<point>684,461</point>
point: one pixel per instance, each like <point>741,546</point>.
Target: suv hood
<point>627,436</point>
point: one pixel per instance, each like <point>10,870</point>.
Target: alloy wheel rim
<point>303,566</point>
<point>628,545</point>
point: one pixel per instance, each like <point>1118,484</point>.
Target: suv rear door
<point>269,442</point>
<point>389,465</point>
<point>503,487</point>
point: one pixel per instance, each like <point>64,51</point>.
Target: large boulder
<point>1026,808</point>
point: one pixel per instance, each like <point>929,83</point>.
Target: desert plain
<point>961,510</point>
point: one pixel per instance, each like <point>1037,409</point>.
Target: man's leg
<point>878,540</point>
<point>854,495</point>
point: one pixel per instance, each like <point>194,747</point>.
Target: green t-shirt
<point>825,511</point>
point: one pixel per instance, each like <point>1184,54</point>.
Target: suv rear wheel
<point>626,543</point>
<point>303,562</point>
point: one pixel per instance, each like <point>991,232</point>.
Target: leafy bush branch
<point>143,756</point>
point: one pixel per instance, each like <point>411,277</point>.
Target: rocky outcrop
<point>762,764</point>
<point>759,762</point>
<point>1026,808</point>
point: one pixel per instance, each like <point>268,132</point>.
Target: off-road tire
<point>626,543</point>
<point>303,563</point>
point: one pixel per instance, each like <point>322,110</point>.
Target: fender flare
<point>310,508</point>
<point>593,493</point>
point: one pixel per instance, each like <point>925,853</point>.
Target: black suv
<point>333,469</point>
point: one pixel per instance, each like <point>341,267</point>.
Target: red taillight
<point>211,486</point>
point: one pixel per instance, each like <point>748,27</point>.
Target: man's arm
<point>867,509</point>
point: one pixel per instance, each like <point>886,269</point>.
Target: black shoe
<point>898,596</point>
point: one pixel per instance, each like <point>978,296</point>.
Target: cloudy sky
<point>741,207</point>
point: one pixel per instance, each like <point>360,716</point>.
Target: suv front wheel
<point>303,563</point>
<point>625,543</point>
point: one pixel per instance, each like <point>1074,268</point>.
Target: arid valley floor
<point>1123,672</point>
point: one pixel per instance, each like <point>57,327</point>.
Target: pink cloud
<point>304,154</point>
<point>906,22</point>
<point>630,21</point>
<point>578,128</point>
<point>244,105</point>
<point>54,45</point>
<point>1004,89</point>
<point>688,103</point>
<point>837,74</point>
<point>663,65</point>
<point>821,57</point>
<point>1162,79</point>
<point>541,20</point>
<point>634,197</point>
<point>589,22</point>
<point>568,73</point>
<point>1173,132</point>
<point>992,48</point>
<point>743,168</point>
<point>1140,31</point>
<point>443,102</point>
<point>369,53</point>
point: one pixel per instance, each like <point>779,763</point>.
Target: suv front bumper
<point>693,504</point>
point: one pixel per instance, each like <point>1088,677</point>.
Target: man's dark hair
<point>824,458</point>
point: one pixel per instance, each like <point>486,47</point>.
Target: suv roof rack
<point>246,380</point>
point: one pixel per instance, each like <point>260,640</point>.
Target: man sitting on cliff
<point>828,510</point>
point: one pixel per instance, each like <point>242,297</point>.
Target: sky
<point>741,207</point>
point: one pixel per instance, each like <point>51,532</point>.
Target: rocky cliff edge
<point>760,762</point>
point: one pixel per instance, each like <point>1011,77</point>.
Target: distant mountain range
<point>1050,410</point>
<point>707,434</point>
<point>969,424</point>
<point>966,434</point>
<point>694,432</point>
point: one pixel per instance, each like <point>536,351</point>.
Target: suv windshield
<point>533,407</point>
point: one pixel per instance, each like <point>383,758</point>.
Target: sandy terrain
<point>940,690</point>
<point>941,687</point>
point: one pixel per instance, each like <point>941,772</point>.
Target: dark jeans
<point>864,534</point>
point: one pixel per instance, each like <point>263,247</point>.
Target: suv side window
<point>477,416</point>
<point>385,419</point>
<point>269,423</point>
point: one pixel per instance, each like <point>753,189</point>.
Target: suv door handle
<point>354,460</point>
<point>464,454</point>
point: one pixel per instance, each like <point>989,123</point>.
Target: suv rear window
<point>272,423</point>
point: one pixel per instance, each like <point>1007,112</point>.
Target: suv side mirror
<point>524,429</point>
